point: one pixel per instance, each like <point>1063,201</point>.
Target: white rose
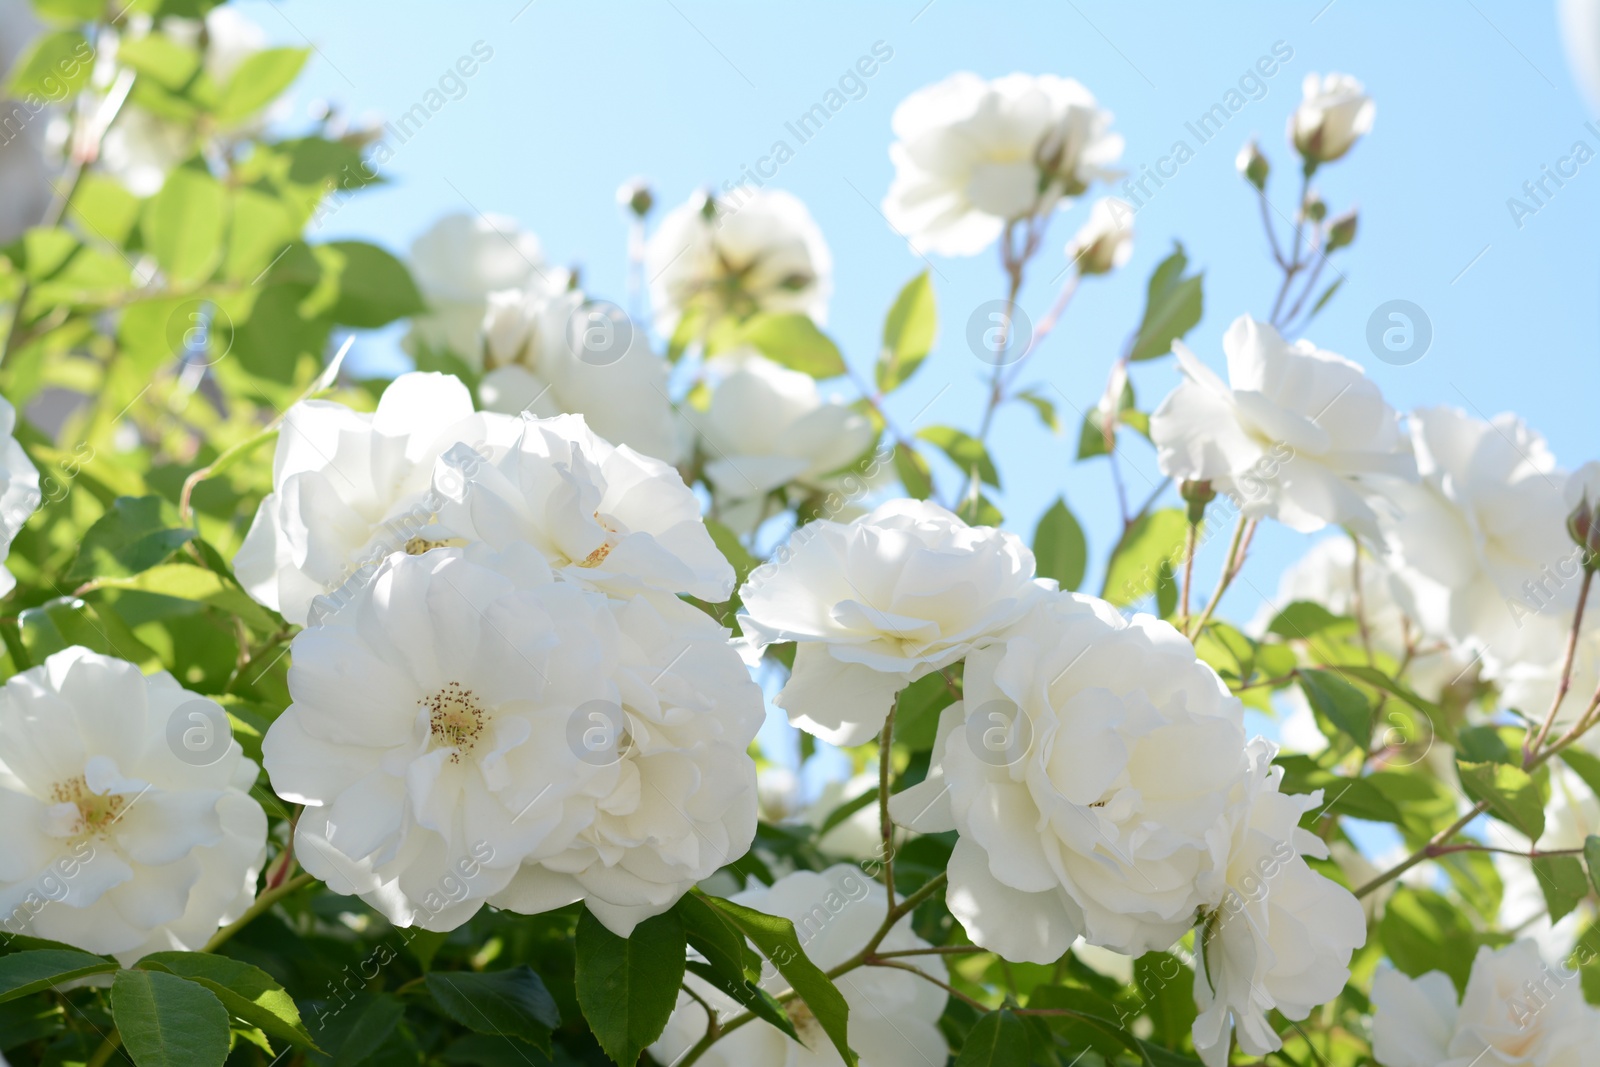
<point>1106,240</point>
<point>1278,934</point>
<point>1295,434</point>
<point>878,603</point>
<point>467,728</point>
<point>749,251</point>
<point>894,1015</point>
<point>1517,1010</point>
<point>768,427</point>
<point>555,352</point>
<point>19,489</point>
<point>457,263</point>
<point>602,516</point>
<point>348,488</point>
<point>973,154</point>
<point>1092,760</point>
<point>1334,114</point>
<point>1480,544</point>
<point>126,823</point>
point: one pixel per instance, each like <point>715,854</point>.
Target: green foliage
<point>628,986</point>
<point>908,333</point>
<point>1172,307</point>
<point>794,341</point>
<point>508,1003</point>
<point>166,1021</point>
<point>1059,546</point>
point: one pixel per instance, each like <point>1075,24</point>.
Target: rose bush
<point>646,688</point>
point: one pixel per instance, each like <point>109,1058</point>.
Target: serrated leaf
<point>34,970</point>
<point>913,472</point>
<point>1134,571</point>
<point>1563,883</point>
<point>965,451</point>
<point>1059,546</point>
<point>908,333</point>
<point>777,940</point>
<point>260,79</point>
<point>628,986</point>
<point>1340,703</point>
<point>167,1021</point>
<point>132,536</point>
<point>183,225</point>
<point>248,992</point>
<point>794,341</point>
<point>1173,306</point>
<point>507,1003</point>
<point>1514,797</point>
<point>998,1040</point>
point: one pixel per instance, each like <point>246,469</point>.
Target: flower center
<point>456,719</point>
<point>598,556</point>
<point>96,812</point>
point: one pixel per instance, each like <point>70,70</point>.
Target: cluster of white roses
<point>1466,519</point>
<point>1097,773</point>
<point>499,691</point>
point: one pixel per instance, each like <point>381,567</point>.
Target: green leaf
<point>1173,307</point>
<point>1135,568</point>
<point>1421,931</point>
<point>258,81</point>
<point>35,970</point>
<point>1563,882</point>
<point>628,986</point>
<point>359,1028</point>
<point>776,939</point>
<point>1059,546</point>
<point>508,1003</point>
<point>913,472</point>
<point>248,992</point>
<point>132,536</point>
<point>1165,986</point>
<point>730,964</point>
<point>998,1040</point>
<point>1044,408</point>
<point>1514,797</point>
<point>374,288</point>
<point>1304,619</point>
<point>160,59</point>
<point>183,226</point>
<point>964,450</point>
<point>167,1021</point>
<point>1591,860</point>
<point>56,67</point>
<point>908,333</point>
<point>189,582</point>
<point>793,340</point>
<point>1340,703</point>
<point>105,209</point>
<point>1322,301</point>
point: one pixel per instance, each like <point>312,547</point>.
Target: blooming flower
<point>126,824</point>
<point>349,488</point>
<point>457,263</point>
<point>555,352</point>
<point>769,427</point>
<point>19,488</point>
<point>1106,240</point>
<point>1517,1009</point>
<point>756,251</point>
<point>1296,433</point>
<point>1334,114</point>
<point>1480,543</point>
<point>974,154</point>
<point>1278,934</point>
<point>467,727</point>
<point>1089,767</point>
<point>603,516</point>
<point>878,603</point>
<point>894,1015</point>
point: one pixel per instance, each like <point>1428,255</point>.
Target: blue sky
<point>1474,98</point>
